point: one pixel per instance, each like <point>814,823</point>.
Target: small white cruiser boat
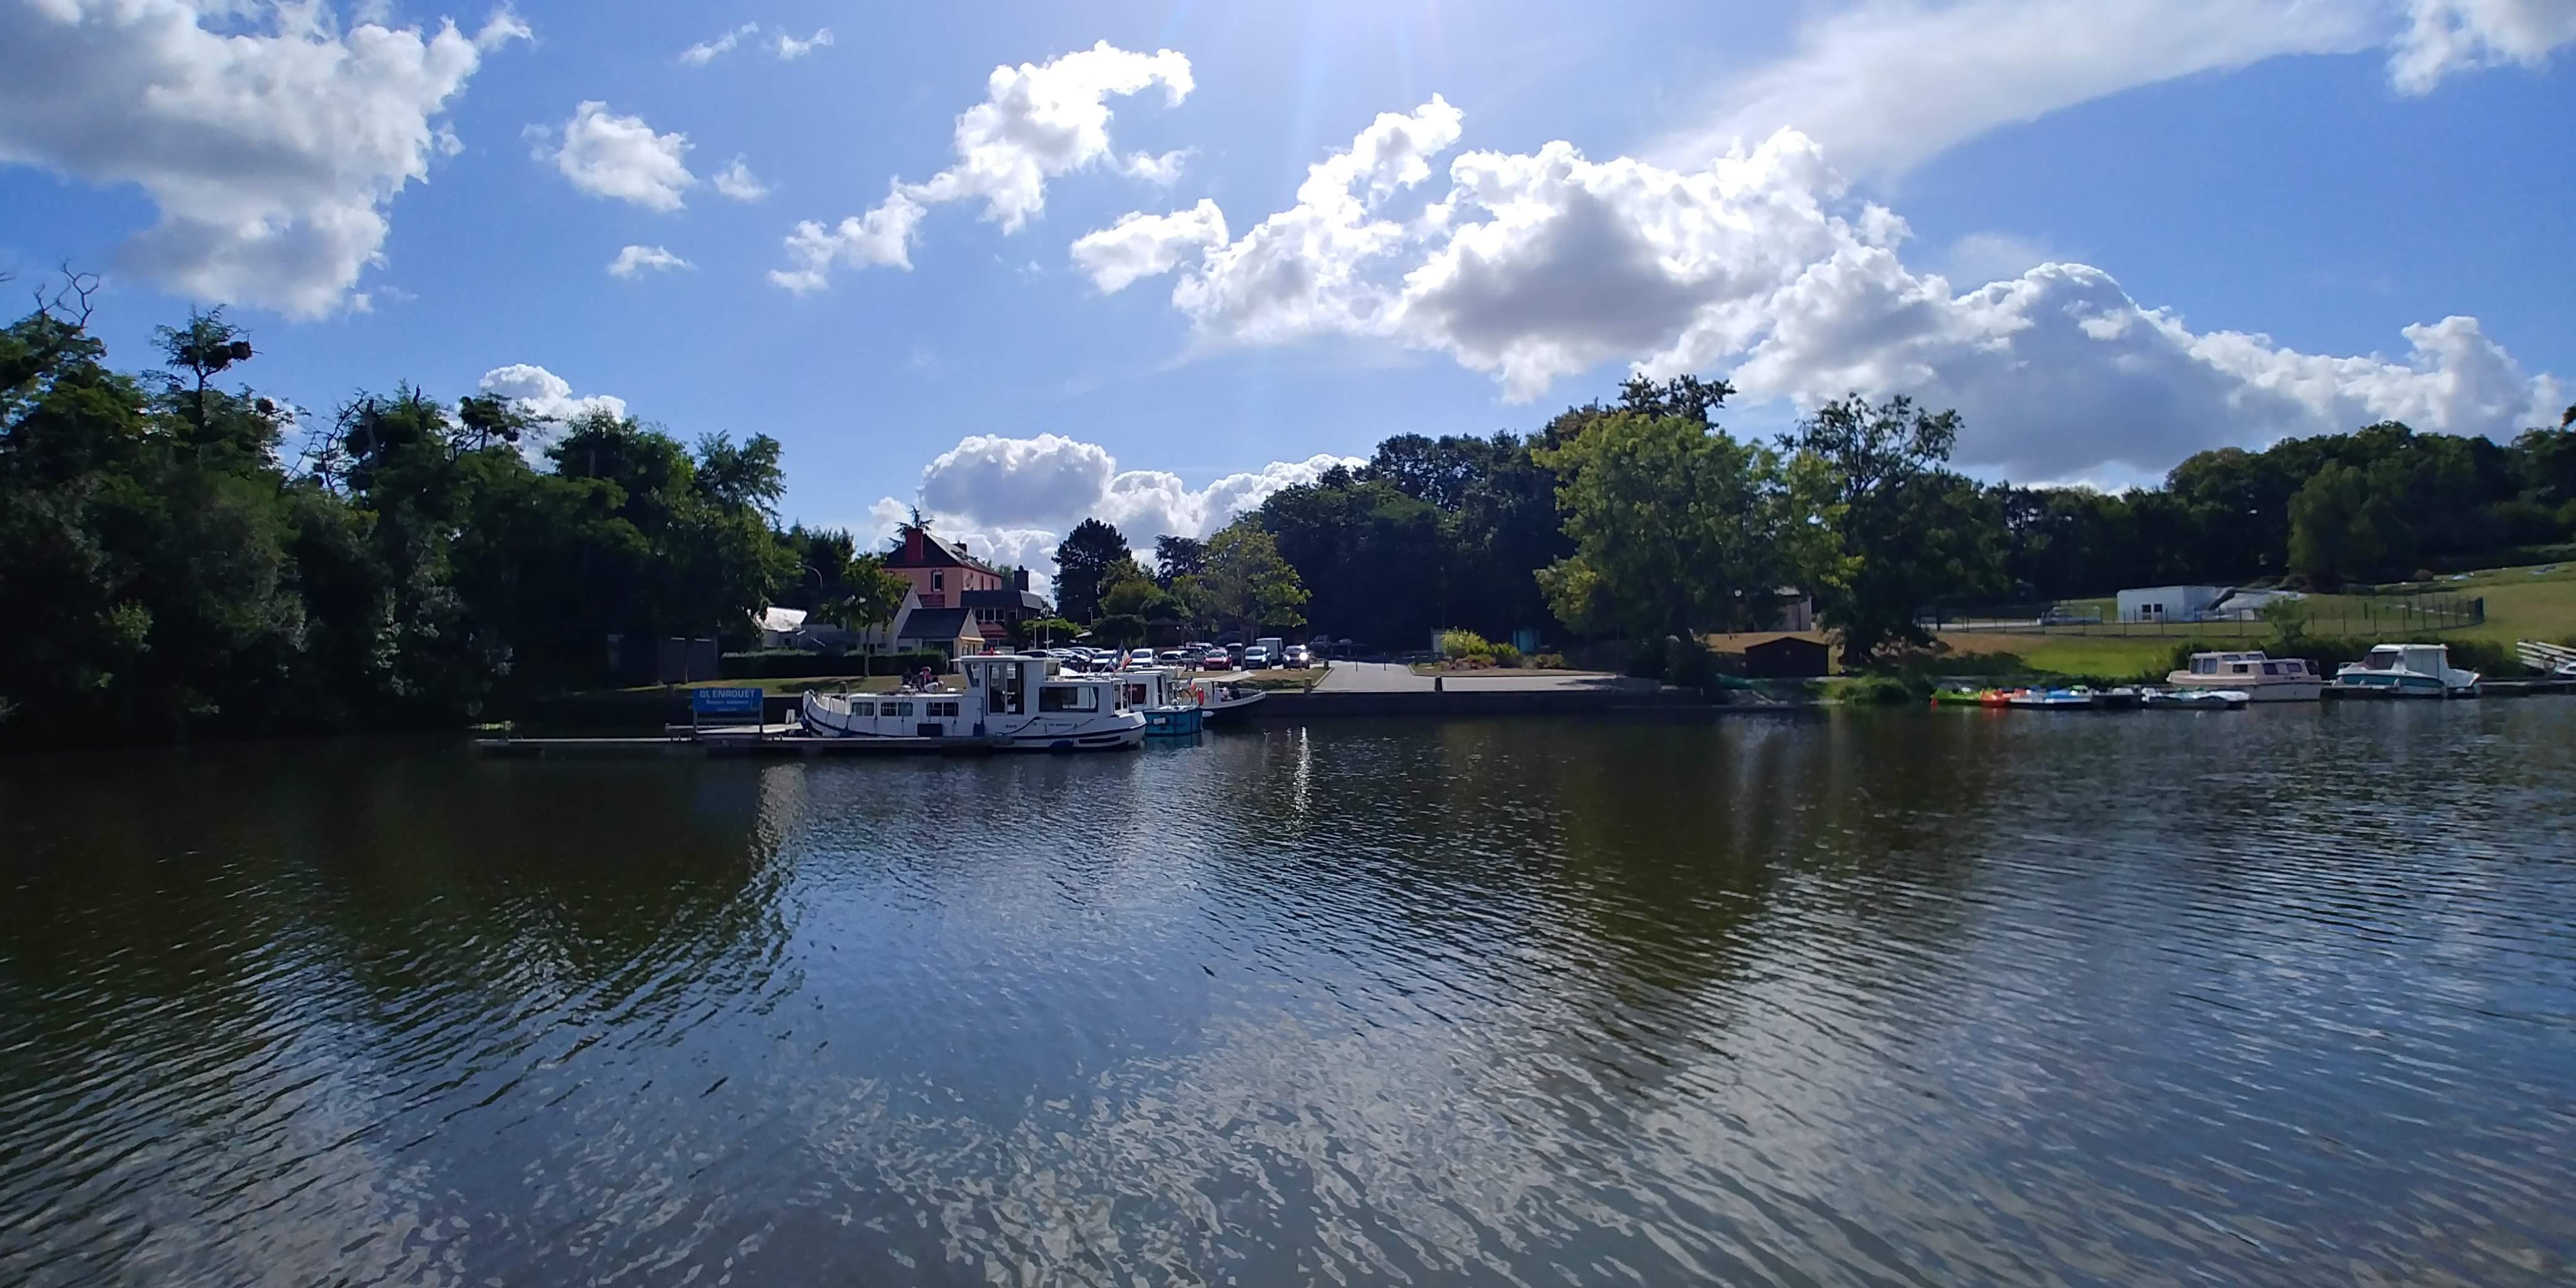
<point>1010,700</point>
<point>1171,707</point>
<point>2408,671</point>
<point>1224,701</point>
<point>2259,678</point>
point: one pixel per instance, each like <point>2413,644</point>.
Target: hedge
<point>796,664</point>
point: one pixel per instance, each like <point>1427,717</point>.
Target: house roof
<point>942,624</point>
<point>1028,599</point>
<point>779,621</point>
<point>937,553</point>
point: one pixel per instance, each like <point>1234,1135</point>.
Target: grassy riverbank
<point>2522,604</point>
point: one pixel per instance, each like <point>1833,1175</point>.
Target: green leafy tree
<point>1119,630</point>
<point>866,595</point>
<point>1080,559</point>
<point>1675,525</point>
<point>1178,557</point>
<point>1914,532</point>
<point>1247,584</point>
<point>2336,529</point>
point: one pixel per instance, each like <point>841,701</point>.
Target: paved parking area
<point>1388,677</point>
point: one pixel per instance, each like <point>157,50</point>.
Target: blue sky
<point>2203,221</point>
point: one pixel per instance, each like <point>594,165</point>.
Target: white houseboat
<point>2259,678</point>
<point>2408,671</point>
<point>1010,700</point>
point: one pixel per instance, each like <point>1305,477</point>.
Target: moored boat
<point>2193,699</point>
<point>2249,671</point>
<point>1171,708</point>
<point>1226,701</point>
<point>1005,699</point>
<point>2408,671</point>
<point>2078,698</point>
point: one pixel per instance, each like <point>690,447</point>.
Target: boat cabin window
<point>2204,666</point>
<point>941,708</point>
<point>894,708</point>
<point>863,708</point>
<point>2240,668</point>
<point>1069,697</point>
<point>2271,668</point>
<point>1005,696</point>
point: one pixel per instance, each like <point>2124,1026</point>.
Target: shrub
<point>1549,661</point>
<point>792,664</point>
<point>2486,657</point>
<point>1647,663</point>
<point>1886,691</point>
<point>1459,645</point>
<point>1507,655</point>
<point>1689,664</point>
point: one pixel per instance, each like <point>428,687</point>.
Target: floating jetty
<point>770,742</point>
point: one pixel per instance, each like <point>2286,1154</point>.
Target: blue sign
<point>725,702</point>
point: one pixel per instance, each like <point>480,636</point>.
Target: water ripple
<point>2283,997</point>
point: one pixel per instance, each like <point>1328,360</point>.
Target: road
<point>1388,677</point>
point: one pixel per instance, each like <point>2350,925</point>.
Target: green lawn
<point>2522,604</point>
<point>827,684</point>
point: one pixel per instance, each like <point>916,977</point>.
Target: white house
<point>2169,603</point>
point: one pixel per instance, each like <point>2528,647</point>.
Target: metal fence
<point>2337,616</point>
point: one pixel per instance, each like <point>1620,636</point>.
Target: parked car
<point>1216,660</point>
<point>1297,655</point>
<point>1256,658</point>
<point>1171,657</point>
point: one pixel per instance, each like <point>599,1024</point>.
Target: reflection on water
<point>2271,997</point>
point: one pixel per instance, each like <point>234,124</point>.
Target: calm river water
<point>2269,997</point>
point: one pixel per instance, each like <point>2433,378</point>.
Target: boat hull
<point>820,717</point>
<point>2258,690</point>
<point>2400,685</point>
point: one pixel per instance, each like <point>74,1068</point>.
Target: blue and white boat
<point>2408,671</point>
<point>2078,698</point>
<point>1171,708</point>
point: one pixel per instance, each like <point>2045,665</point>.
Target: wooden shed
<point>1788,657</point>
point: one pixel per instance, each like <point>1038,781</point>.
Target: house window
<point>939,581</point>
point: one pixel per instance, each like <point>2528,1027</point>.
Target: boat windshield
<point>2380,661</point>
<point>1069,697</point>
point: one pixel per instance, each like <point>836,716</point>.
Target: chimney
<point>912,545</point>
<point>1020,579</point>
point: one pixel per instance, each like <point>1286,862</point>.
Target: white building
<point>2169,603</point>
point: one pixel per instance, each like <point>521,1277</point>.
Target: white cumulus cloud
<point>1759,265</point>
<point>1017,497</point>
<point>619,157</point>
<point>634,259</point>
<point>738,182</point>
<point>2445,36</point>
<point>1142,245</point>
<point>1036,122</point>
<point>545,395</point>
<point>271,155</point>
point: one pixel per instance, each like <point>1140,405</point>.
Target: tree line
<point>1644,517</point>
<point>179,557</point>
